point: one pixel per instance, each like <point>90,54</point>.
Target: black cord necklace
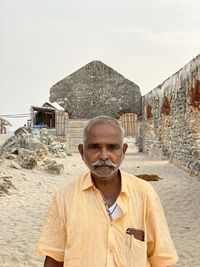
<point>111,212</point>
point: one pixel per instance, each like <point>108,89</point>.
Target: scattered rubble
<point>54,168</point>
<point>28,150</point>
<point>15,165</point>
<point>6,186</point>
<point>27,158</point>
<point>10,156</point>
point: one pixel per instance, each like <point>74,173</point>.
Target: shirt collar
<point>87,182</point>
<point>124,187</point>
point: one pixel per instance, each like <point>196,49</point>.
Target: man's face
<point>103,151</point>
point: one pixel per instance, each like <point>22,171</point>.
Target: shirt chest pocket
<point>136,252</point>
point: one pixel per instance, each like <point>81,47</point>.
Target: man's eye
<point>113,146</point>
<point>93,146</point>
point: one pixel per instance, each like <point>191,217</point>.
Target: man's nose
<point>104,155</point>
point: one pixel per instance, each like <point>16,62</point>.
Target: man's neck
<point>110,187</point>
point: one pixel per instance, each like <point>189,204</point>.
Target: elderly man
<point>106,217</point>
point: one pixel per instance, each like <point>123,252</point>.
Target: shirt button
<point>110,251</point>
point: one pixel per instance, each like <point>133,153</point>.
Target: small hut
<point>50,116</point>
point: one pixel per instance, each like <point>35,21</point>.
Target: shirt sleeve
<point>160,247</point>
<point>53,236</point>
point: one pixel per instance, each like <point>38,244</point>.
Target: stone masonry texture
<point>170,127</point>
<point>96,89</point>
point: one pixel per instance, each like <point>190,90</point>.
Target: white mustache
<point>104,163</point>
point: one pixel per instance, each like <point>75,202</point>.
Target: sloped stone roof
<point>96,89</point>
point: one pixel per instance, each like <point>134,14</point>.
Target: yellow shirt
<point>79,232</point>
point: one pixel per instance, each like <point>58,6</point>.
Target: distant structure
<point>4,124</point>
<point>50,116</point>
<point>96,89</point>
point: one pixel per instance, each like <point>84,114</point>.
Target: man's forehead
<point>97,142</point>
<point>103,134</point>
<point>109,127</point>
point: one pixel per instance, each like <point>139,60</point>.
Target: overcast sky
<point>43,41</point>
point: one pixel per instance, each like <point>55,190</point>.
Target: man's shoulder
<point>71,185</point>
<point>138,184</point>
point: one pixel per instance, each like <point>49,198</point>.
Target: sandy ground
<point>22,213</point>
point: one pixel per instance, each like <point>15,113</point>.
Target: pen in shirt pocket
<point>128,240</point>
<point>135,233</point>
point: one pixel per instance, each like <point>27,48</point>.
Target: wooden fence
<point>129,123</point>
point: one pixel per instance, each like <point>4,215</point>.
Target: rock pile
<point>28,150</point>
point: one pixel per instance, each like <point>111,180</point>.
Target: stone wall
<point>170,128</point>
<point>96,89</point>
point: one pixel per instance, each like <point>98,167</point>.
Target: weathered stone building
<point>170,127</point>
<point>96,89</point>
<point>170,120</point>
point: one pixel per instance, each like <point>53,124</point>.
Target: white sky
<point>43,41</point>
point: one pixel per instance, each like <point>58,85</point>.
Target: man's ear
<point>125,146</point>
<point>80,149</point>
